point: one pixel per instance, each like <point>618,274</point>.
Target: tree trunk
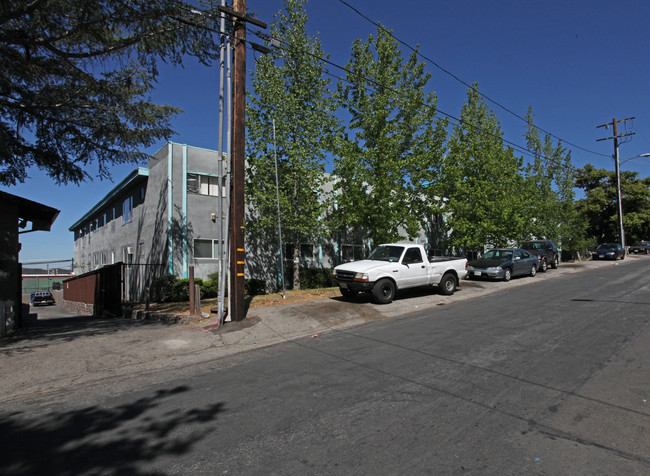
<point>296,265</point>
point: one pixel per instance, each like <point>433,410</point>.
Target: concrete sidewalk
<point>62,351</point>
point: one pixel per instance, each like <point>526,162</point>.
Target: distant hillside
<point>52,271</point>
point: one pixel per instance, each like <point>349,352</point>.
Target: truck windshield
<point>387,253</point>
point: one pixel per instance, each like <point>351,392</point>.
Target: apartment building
<point>161,219</point>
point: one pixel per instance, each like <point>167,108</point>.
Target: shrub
<point>313,278</point>
<point>162,288</point>
<point>254,287</point>
<point>181,290</point>
<point>210,289</point>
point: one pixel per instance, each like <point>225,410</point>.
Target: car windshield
<point>387,253</point>
<point>498,254</point>
<point>607,246</point>
<point>534,245</point>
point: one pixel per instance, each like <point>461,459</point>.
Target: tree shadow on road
<point>124,439</point>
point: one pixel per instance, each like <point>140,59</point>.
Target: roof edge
<point>132,177</point>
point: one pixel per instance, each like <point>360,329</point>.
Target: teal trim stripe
<point>184,238</point>
<point>170,209</point>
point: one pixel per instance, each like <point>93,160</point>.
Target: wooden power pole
<point>238,147</point>
<point>619,198</point>
<point>237,255</point>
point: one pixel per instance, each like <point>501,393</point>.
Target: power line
<point>520,148</point>
<point>461,81</point>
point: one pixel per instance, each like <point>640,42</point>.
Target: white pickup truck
<point>394,266</point>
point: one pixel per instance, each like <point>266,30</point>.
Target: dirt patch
<point>274,299</point>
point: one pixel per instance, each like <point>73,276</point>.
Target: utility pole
<point>237,254</point>
<point>238,15</point>
<point>615,137</point>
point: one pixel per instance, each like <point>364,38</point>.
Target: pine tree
<point>76,77</point>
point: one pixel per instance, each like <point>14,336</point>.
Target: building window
<point>307,252</point>
<point>352,253</point>
<point>103,258</point>
<point>206,249</point>
<point>127,210</point>
<point>127,254</point>
<point>204,185</point>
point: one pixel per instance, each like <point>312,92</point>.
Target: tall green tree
<point>290,90</point>
<point>600,205</point>
<point>387,162</point>
<point>76,76</point>
<point>483,181</point>
<point>550,183</point>
<point>542,199</point>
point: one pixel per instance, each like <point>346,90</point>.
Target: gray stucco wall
<point>166,221</point>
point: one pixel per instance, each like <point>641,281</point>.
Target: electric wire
<point>452,75</point>
<point>519,148</point>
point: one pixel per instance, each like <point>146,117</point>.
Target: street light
<point>635,157</point>
<point>618,194</point>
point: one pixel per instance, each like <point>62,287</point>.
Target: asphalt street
<point>546,376</point>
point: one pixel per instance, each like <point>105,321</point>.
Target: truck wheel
<point>348,293</point>
<point>447,284</point>
<point>544,266</point>
<point>555,263</point>
<point>384,291</point>
<point>507,274</point>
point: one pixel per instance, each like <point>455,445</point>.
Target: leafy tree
<point>483,181</point>
<point>76,77</point>
<point>387,163</point>
<point>289,88</point>
<point>600,206</point>
<point>550,183</point>
<point>542,200</point>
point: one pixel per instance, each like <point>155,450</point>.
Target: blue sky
<point>579,64</point>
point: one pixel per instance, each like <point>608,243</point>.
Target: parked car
<point>503,263</point>
<point>546,252</point>
<point>608,251</point>
<point>640,247</point>
<point>42,297</point>
<point>394,266</point>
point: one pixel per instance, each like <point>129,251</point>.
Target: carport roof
<point>41,216</point>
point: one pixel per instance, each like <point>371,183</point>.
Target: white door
<point>413,269</point>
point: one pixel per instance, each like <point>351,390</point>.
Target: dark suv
<point>546,252</point>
